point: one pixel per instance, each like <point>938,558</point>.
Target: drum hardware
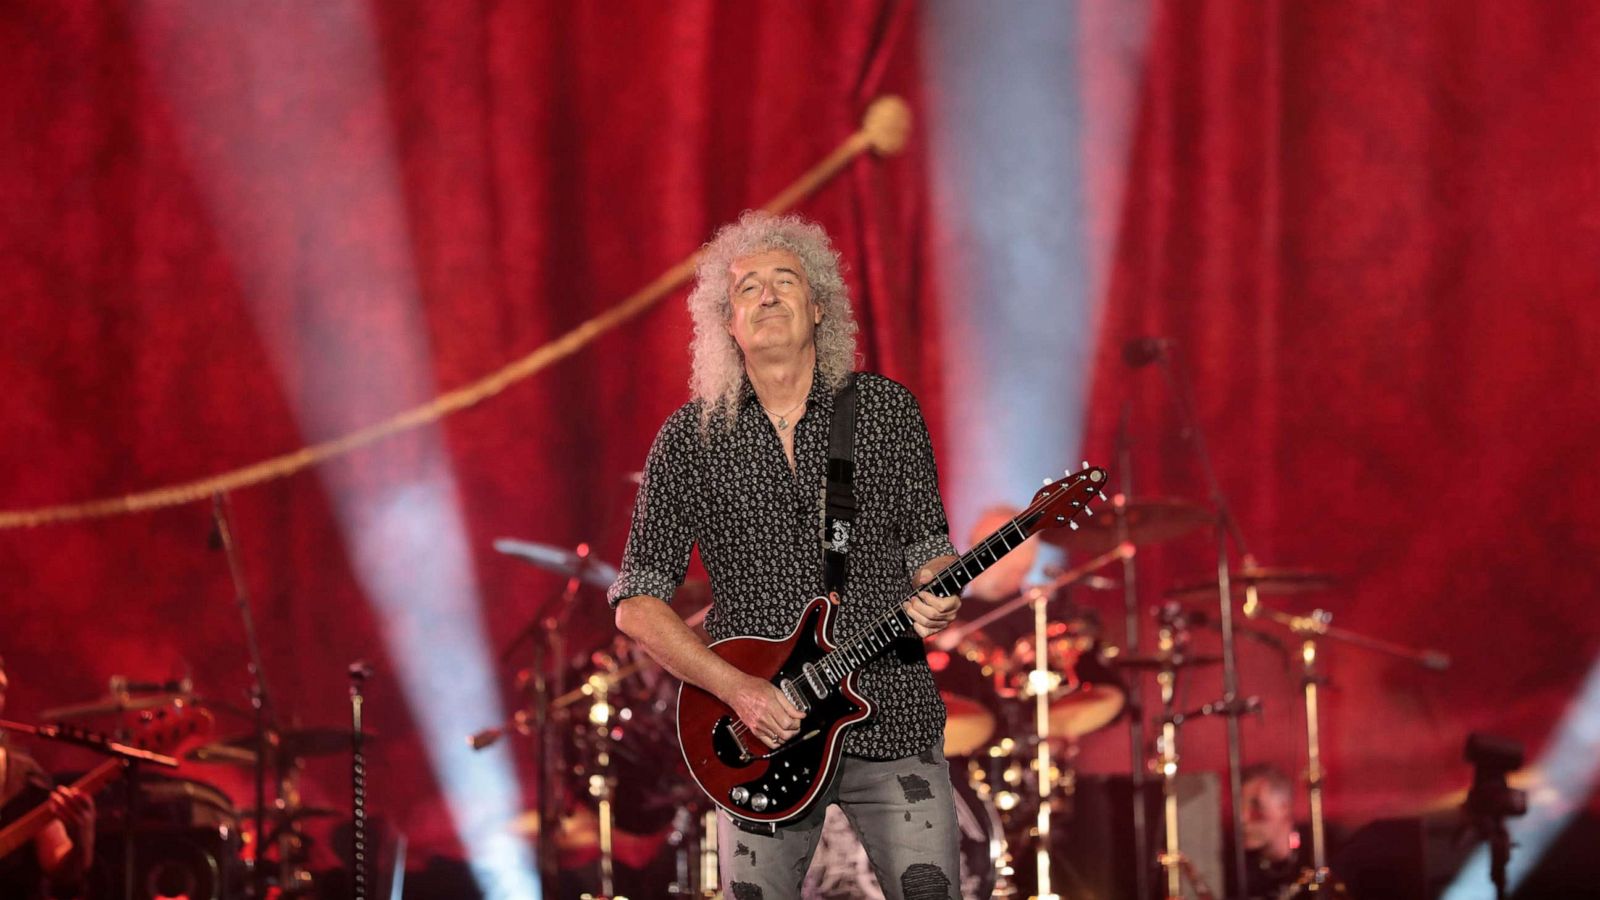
<point>1121,520</point>
<point>998,771</point>
<point>1309,628</point>
<point>546,677</point>
<point>359,672</point>
<point>1140,352</point>
<point>964,652</point>
<point>1173,639</point>
<point>1090,694</point>
<point>291,744</point>
<point>1271,581</point>
<point>265,714</point>
<point>122,698</point>
<point>576,563</point>
<point>1041,683</point>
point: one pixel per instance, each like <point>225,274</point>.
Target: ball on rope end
<point>887,125</point>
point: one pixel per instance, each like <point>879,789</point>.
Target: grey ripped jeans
<point>902,809</point>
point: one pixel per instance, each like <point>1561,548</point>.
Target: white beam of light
<point>1027,140</point>
<point>281,111</point>
<point>410,551</point>
<point>1565,775</point>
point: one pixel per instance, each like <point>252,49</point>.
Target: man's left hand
<point>76,811</point>
<point>929,612</point>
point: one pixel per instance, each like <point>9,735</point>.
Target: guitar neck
<point>864,647</point>
<point>23,830</point>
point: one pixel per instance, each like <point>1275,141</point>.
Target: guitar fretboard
<point>875,638</point>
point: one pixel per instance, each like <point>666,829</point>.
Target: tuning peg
<point>1087,511</point>
<point>1073,525</point>
<point>1047,481</point>
<point>1085,464</point>
<point>1102,495</point>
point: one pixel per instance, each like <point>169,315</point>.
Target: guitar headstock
<point>1060,502</point>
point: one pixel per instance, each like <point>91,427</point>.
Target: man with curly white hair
<point>740,471</point>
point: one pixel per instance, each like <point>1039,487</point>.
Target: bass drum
<point>840,871</point>
<point>187,841</point>
<point>972,679</point>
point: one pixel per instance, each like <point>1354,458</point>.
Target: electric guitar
<point>776,785</point>
<point>164,730</point>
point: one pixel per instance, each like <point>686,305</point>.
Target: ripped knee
<point>925,881</point>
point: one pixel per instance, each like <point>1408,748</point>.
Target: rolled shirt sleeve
<point>926,529</point>
<point>661,535</point>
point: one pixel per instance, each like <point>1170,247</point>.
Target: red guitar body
<point>726,760</point>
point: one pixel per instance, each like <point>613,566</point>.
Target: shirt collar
<point>819,400</point>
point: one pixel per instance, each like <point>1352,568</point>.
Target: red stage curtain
<point>1371,229</point>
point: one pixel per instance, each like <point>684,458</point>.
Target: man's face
<point>1268,814</point>
<point>772,305</point>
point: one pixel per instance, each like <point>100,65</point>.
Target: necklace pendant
<point>783,423</point>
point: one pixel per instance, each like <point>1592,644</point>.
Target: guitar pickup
<point>819,687</point>
<point>794,695</point>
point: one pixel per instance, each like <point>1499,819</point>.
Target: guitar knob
<point>739,795</point>
<point>758,802</point>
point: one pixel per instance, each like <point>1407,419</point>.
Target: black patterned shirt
<point>759,528</point>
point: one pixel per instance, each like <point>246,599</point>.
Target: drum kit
<point>186,837</point>
<point>1021,702</point>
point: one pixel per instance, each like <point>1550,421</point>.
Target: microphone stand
<point>1130,606</point>
<point>1227,527</point>
<point>260,699</point>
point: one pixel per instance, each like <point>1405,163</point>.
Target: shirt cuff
<point>637,582</point>
<point>920,551</point>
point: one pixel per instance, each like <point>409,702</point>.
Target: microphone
<point>1142,351</point>
<point>120,684</point>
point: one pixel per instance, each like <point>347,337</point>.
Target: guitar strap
<point>840,505</point>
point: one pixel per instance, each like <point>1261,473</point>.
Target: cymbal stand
<point>1167,766</point>
<point>359,672</point>
<point>266,730</point>
<point>602,784</point>
<point>550,666</point>
<point>1309,682</point>
<point>1172,641</point>
<point>1319,624</point>
<point>1135,695</point>
<point>1227,527</point>
<point>1041,683</point>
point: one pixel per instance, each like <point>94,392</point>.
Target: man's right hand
<point>765,711</point>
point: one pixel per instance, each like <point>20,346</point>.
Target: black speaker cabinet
<point>1096,846</point>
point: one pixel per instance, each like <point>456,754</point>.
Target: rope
<point>884,129</point>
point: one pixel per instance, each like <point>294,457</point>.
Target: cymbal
<point>968,724</point>
<point>1159,661</point>
<point>1149,522</point>
<point>241,750</point>
<point>1085,708</point>
<point>1267,580</point>
<point>112,704</point>
<point>560,560</point>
